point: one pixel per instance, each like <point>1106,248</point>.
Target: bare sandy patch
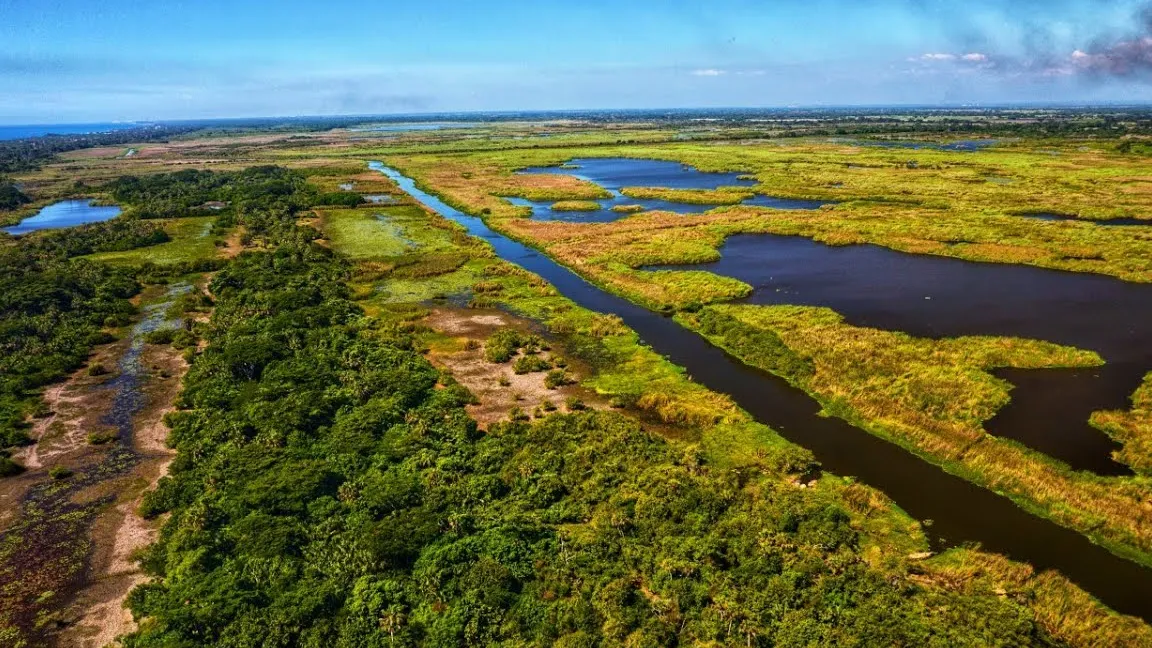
<point>495,385</point>
<point>96,614</point>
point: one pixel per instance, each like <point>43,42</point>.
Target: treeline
<point>184,193</point>
<point>29,153</point>
<point>330,490</point>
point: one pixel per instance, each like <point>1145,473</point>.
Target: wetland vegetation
<point>392,432</point>
<point>458,531</point>
<point>932,204</point>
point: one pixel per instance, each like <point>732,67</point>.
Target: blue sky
<point>72,60</point>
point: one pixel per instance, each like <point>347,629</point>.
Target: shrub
<point>183,339</point>
<point>556,378</point>
<point>161,336</point>
<point>530,364</point>
<point>502,345</point>
<point>340,199</point>
<point>101,438</point>
<point>9,468</point>
<point>59,472</point>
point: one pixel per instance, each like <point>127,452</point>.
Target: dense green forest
<point>330,490</point>
<point>10,195</point>
<point>54,307</point>
<point>172,195</point>
<point>52,311</point>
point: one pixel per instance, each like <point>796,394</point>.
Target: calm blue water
<point>67,213</point>
<point>616,173</point>
<point>36,130</point>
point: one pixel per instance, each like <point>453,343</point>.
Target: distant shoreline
<point>38,130</point>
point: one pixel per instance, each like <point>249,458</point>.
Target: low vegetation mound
<point>575,205</point>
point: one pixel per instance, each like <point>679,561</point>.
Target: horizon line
<point>959,106</point>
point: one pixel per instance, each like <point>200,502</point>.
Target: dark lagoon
<point>616,173</point>
<point>942,297</point>
<point>66,213</point>
<point>961,511</point>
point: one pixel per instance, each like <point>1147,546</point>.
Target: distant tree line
<point>29,153</point>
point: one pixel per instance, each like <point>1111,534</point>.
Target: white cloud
<point>938,56</point>
<point>975,57</point>
<point>710,72</point>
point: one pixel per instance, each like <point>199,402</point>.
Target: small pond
<point>382,199</point>
<point>66,213</point>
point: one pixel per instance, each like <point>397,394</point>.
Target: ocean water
<point>12,132</point>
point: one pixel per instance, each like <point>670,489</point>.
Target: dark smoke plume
<point>1125,56</point>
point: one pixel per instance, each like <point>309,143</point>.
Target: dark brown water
<point>961,511</point>
<point>942,297</point>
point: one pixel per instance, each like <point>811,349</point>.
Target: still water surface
<point>616,173</point>
<point>942,297</point>
<point>66,213</point>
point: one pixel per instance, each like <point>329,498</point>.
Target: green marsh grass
<point>1132,428</point>
<point>575,206</point>
<point>192,240</point>
<point>932,397</point>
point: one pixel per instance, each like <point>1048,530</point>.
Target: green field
<point>192,240</point>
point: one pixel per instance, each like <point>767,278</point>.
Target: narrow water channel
<point>961,512</point>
